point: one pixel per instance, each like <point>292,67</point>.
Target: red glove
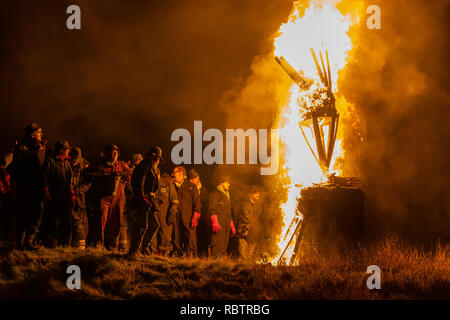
<point>215,224</point>
<point>145,201</point>
<point>44,144</point>
<point>233,229</point>
<point>73,198</point>
<point>47,195</point>
<point>195,218</point>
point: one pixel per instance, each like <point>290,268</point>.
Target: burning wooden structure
<point>332,212</point>
<point>319,110</point>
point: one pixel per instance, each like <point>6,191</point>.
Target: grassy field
<point>406,274</point>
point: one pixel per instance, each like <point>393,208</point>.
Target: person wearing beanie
<point>219,211</point>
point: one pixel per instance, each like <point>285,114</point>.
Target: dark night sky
<point>136,70</point>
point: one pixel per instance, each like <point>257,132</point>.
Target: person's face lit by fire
<point>195,181</point>
<point>178,176</point>
<point>226,185</point>
<point>255,197</point>
<point>155,162</point>
<point>136,161</point>
<point>65,152</point>
<point>37,135</point>
<point>113,155</point>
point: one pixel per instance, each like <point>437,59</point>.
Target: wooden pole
<point>324,70</point>
<point>290,240</point>
<point>317,65</point>
<point>329,72</point>
<point>320,151</point>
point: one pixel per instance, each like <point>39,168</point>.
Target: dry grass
<point>407,273</point>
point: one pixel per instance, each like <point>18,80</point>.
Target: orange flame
<point>319,26</point>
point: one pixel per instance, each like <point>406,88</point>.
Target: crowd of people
<point>55,197</point>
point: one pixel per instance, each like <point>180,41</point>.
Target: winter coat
<point>80,185</point>
<point>103,176</point>
<point>189,198</point>
<point>144,180</point>
<point>58,178</point>
<point>245,218</point>
<point>167,195</point>
<point>220,205</point>
<point>26,169</point>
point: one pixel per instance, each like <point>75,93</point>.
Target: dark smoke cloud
<point>398,80</point>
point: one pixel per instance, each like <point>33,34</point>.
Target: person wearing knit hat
<point>219,211</point>
<point>33,130</point>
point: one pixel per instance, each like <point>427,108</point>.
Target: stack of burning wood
<point>333,211</point>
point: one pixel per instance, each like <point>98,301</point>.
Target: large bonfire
<point>313,28</point>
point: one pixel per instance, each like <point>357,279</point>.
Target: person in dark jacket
<point>6,210</point>
<point>185,231</point>
<point>27,178</point>
<point>167,198</point>
<point>123,238</point>
<point>219,211</point>
<point>80,187</point>
<point>203,228</point>
<point>246,222</point>
<point>107,196</point>
<point>203,233</point>
<point>143,218</point>
<point>59,195</point>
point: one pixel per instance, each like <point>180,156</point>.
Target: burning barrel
<point>333,216</point>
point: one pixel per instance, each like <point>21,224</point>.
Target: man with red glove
<point>185,238</point>
<point>59,195</point>
<point>144,220</point>
<point>219,210</point>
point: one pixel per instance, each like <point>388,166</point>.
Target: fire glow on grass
<point>321,27</point>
